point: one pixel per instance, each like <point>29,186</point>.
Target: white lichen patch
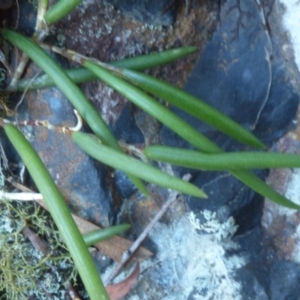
<point>189,264</point>
<point>282,223</point>
<point>212,225</point>
<point>292,193</point>
<point>291,22</point>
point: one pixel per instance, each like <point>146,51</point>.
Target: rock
<point>236,74</point>
<point>244,73</point>
<point>126,130</point>
<point>24,15</point>
<point>221,251</point>
<point>155,12</point>
<point>82,181</point>
<point>285,277</point>
<point>6,4</point>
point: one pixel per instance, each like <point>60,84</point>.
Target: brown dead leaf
<point>119,290</point>
<point>113,247</point>
<point>35,240</point>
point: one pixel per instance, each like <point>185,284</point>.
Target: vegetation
<point>139,89</point>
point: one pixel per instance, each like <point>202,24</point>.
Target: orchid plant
<point>126,78</point>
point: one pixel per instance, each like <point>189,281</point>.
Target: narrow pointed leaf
<point>60,214</point>
<point>81,75</point>
<point>60,9</point>
<point>96,236</point>
<point>143,62</point>
<point>154,108</point>
<point>262,188</point>
<point>183,129</point>
<point>192,105</point>
<point>222,161</point>
<point>196,160</point>
<point>71,91</point>
<point>133,166</point>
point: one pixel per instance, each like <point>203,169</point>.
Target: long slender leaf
<point>184,130</point>
<point>192,105</point>
<point>222,161</point>
<point>262,188</point>
<point>147,61</point>
<point>194,159</point>
<point>60,9</point>
<point>81,75</point>
<point>132,166</point>
<point>96,236</point>
<point>71,90</point>
<point>155,109</point>
<point>60,214</point>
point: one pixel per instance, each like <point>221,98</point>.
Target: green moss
<point>25,272</point>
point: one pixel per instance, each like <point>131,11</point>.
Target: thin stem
<point>41,30</point>
<point>20,196</point>
<point>172,198</point>
<point>81,75</point>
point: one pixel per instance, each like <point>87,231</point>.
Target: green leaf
<point>222,161</point>
<point>132,166</point>
<point>183,129</point>
<point>262,188</point>
<point>80,75</point>
<point>71,91</point>
<point>147,61</point>
<point>96,236</point>
<point>60,9</point>
<point>192,105</point>
<point>194,159</point>
<point>60,214</point>
<point>154,108</point>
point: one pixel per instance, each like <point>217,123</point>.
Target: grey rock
<point>285,278</point>
<point>153,12</point>
<point>82,181</point>
<point>240,72</point>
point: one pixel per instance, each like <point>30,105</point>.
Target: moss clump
<point>25,272</point>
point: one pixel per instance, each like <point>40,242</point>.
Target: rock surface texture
<point>157,12</point>
<point>234,245</point>
<point>244,72</point>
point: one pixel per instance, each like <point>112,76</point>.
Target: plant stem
<point>81,75</point>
